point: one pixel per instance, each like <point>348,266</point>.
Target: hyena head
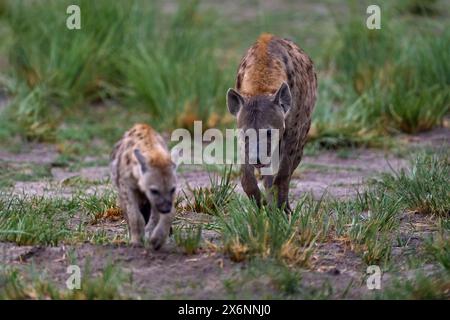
<point>261,120</point>
<point>157,181</point>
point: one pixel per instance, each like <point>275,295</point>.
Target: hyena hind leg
<point>136,225</point>
<point>136,222</point>
<point>282,191</point>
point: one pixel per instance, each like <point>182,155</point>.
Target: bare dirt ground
<point>170,273</point>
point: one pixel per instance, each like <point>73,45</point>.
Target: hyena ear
<point>234,101</point>
<point>283,97</point>
<point>140,158</point>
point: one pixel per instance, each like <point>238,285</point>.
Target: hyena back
<point>275,89</point>
<point>144,174</point>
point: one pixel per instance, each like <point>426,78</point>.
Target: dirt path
<point>325,172</point>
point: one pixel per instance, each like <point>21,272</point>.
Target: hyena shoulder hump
<point>260,71</point>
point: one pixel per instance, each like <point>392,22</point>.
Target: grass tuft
<point>31,220</point>
<point>367,223</point>
<point>421,287</point>
<point>267,232</point>
<point>19,285</point>
<point>214,198</point>
<point>425,186</point>
<point>188,237</point>
<point>28,220</point>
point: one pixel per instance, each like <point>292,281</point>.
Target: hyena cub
<point>275,89</point>
<point>144,174</point>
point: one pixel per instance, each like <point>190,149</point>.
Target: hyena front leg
<point>162,229</point>
<point>281,185</point>
<point>250,184</point>
<point>136,222</point>
<point>152,223</point>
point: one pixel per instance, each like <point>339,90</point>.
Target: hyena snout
<point>164,206</point>
<point>259,153</point>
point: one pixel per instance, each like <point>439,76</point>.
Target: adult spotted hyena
<point>144,174</point>
<point>275,89</point>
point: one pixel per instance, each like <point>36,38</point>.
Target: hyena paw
<point>136,243</point>
<point>157,241</point>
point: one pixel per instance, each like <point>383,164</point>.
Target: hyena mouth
<point>165,209</point>
<point>260,165</point>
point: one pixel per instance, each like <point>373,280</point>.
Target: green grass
<point>437,247</point>
<point>34,220</point>
<point>439,250</point>
<point>28,220</point>
<point>175,68</point>
<point>57,68</point>
<point>267,232</point>
<point>213,199</point>
<point>363,53</point>
<point>128,52</point>
<point>93,204</point>
<point>69,65</point>
<point>424,186</point>
<point>372,229</point>
<point>175,71</point>
<point>188,237</point>
<point>397,85</point>
<point>369,221</point>
<point>418,7</point>
<point>415,98</point>
<point>105,284</point>
<point>379,81</point>
<point>420,287</point>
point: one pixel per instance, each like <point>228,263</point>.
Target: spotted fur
<point>144,175</point>
<point>266,66</point>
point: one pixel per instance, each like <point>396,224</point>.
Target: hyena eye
<point>154,192</point>
<point>172,191</point>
